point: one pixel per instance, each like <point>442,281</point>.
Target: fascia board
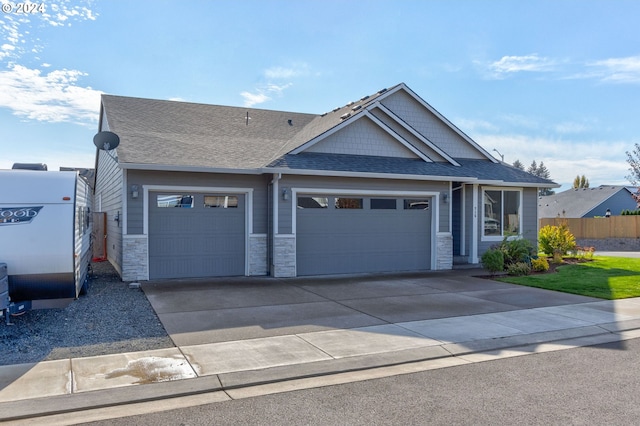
<point>97,159</point>
<point>172,168</point>
<point>517,184</point>
<point>441,117</point>
<point>414,132</point>
<point>333,173</point>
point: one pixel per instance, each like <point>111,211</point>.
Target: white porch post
<point>473,254</point>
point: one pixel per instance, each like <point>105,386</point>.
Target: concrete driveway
<point>246,335</point>
<point>203,311</point>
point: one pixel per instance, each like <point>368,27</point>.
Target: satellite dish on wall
<point>106,141</point>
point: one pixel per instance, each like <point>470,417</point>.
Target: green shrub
<point>556,241</point>
<point>516,250</point>
<point>540,264</point>
<point>519,268</point>
<point>493,260</point>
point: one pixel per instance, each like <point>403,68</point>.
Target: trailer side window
<point>82,219</point>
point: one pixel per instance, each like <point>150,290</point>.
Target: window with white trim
<point>502,213</point>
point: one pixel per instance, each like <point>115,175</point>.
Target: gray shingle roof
<point>181,135</point>
<point>197,135</point>
<point>577,202</point>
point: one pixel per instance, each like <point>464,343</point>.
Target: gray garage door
<point>196,235</point>
<point>338,235</point>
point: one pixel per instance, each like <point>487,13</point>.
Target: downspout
<point>274,186</point>
<point>463,236</point>
<point>275,225</point>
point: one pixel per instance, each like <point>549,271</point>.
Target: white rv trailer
<point>44,233</point>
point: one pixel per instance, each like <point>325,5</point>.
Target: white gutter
<point>332,173</point>
<point>515,184</point>
<point>297,172</point>
<point>276,191</point>
<point>174,168</point>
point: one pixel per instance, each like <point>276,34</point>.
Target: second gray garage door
<point>340,235</point>
<point>196,235</point>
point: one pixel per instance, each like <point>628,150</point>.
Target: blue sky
<point>553,81</point>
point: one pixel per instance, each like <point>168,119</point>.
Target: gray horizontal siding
<point>108,199</point>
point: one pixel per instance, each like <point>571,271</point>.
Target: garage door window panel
<point>383,204</point>
<point>349,203</point>
<point>416,204</point>
<point>221,201</point>
<point>313,202</point>
<point>174,200</point>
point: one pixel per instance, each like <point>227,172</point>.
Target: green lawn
<point>604,277</point>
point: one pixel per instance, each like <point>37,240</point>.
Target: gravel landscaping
<point>110,318</point>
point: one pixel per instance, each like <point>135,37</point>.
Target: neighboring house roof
<point>170,135</point>
<point>577,202</point>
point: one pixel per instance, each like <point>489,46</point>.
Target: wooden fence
<point>601,227</point>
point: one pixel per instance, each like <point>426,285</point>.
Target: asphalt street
<point>583,386</point>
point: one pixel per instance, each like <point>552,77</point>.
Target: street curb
<point>491,348</point>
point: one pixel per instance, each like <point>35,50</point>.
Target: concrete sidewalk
<point>251,332</point>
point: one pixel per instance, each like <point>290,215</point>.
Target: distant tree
<point>518,165</point>
<point>541,171</point>
<point>581,182</point>
<point>633,158</point>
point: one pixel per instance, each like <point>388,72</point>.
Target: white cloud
<point>564,159</point>
<point>52,97</point>
<point>63,11</point>
<point>277,88</point>
<point>251,99</point>
<point>276,82</point>
<point>514,64</point>
<point>263,94</point>
<point>476,125</point>
<point>616,70</point>
<point>15,29</point>
<point>280,72</point>
<point>571,127</point>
